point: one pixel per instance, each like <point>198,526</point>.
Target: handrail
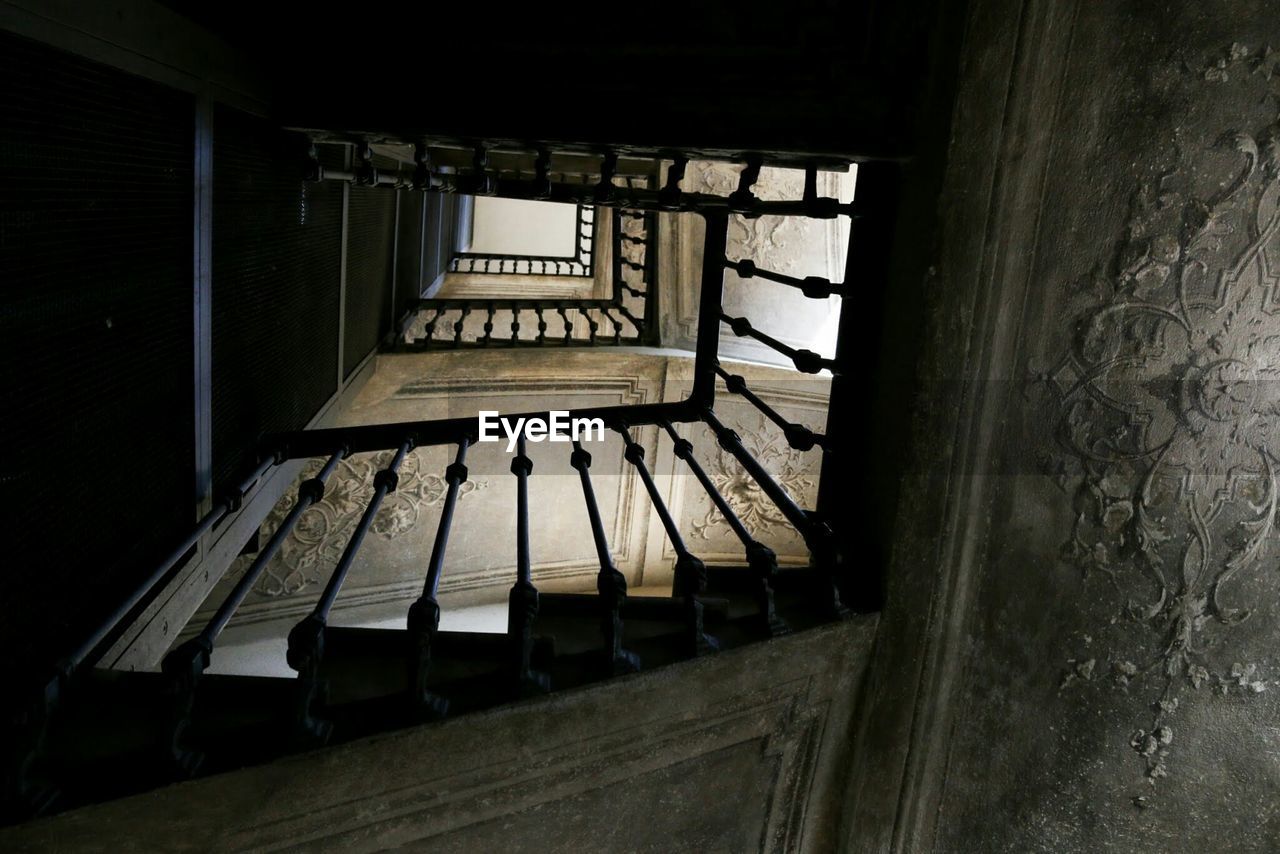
<point>183,667</point>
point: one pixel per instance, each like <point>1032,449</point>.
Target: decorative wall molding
<point>1169,407</point>
<point>998,159</point>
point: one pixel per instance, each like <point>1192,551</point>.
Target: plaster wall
<point>1079,648</point>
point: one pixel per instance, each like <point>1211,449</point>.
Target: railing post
<point>690,573</point>
<point>798,436</point>
<point>185,664</point>
<point>712,291</point>
<point>305,652</point>
<point>610,584</point>
<point>817,534</point>
<point>424,614</point>
<point>761,560</point>
<point>522,605</point>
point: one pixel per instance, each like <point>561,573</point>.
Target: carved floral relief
<point>758,514</point>
<point>1168,436</point>
<point>773,237</point>
<point>317,541</point>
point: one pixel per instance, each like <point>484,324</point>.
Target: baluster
<point>798,436</point>
<point>457,327</point>
<point>611,585</point>
<point>742,200</point>
<point>761,559</point>
<point>806,361</point>
<point>617,325</point>
<point>568,325</point>
<point>690,573</point>
<point>542,326</point>
<point>522,607</point>
<point>814,287</point>
<point>424,613</point>
<point>591,325</point>
<point>488,326</point>
<point>639,325</point>
<point>669,195</point>
<point>817,535</point>
<point>430,328</point>
<point>185,664</point>
<point>306,640</point>
<point>515,325</point>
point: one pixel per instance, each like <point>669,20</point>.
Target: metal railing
<point>835,577</point>
<point>628,316</point>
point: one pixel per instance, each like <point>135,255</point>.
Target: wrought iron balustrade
<point>191,731</point>
<point>627,316</point>
<point>581,264</point>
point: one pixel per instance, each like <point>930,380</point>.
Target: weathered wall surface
<point>741,751</point>
<point>1080,648</point>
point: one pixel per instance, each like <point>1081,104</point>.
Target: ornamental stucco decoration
<point>758,514</point>
<point>322,532</point>
<point>774,237</point>
<point>1168,438</point>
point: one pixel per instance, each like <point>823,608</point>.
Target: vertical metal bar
<point>615,262</point>
<point>568,325</point>
<point>424,613</point>
<point>384,482</point>
<point>798,436</point>
<point>761,559</point>
<point>690,573</point>
<point>704,363</point>
<point>610,584</point>
<point>420,286</point>
<point>522,605</point>
<point>817,534</point>
<point>305,651</point>
<point>651,294</point>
